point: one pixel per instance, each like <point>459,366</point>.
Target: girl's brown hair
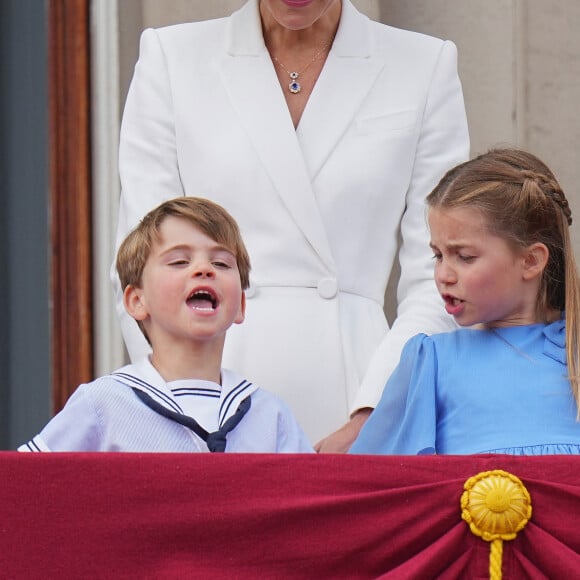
<point>523,203</point>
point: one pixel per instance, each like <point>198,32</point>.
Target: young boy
<point>184,270</point>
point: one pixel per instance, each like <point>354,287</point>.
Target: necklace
<point>294,86</point>
<point>513,346</point>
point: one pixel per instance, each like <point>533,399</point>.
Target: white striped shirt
<point>106,415</point>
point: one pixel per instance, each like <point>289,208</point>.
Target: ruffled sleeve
<point>404,422</point>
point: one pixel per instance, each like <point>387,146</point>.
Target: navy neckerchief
<point>216,441</point>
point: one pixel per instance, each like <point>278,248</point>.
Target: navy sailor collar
<point>144,377</point>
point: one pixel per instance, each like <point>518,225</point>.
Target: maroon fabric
<point>273,516</point>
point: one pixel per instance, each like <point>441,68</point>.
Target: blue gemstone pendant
<point>294,86</point>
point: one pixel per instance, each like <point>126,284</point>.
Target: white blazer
<point>320,207</point>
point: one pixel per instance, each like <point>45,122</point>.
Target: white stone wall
<point>519,62</point>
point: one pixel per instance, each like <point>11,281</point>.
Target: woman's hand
<point>340,441</point>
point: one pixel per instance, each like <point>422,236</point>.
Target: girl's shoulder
<point>452,339</point>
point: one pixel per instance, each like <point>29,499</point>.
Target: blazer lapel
<point>250,80</point>
<point>346,79</point>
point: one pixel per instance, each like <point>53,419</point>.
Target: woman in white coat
<point>322,132</point>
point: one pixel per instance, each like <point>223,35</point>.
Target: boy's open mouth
<point>202,299</point>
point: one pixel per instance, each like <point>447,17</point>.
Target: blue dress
<point>478,391</point>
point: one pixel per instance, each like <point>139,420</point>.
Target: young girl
<point>504,267</point>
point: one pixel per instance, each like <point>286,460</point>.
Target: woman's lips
<point>297,3</point>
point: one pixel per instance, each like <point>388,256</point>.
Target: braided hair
<point>524,204</point>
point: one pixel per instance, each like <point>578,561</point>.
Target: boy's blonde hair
<point>523,203</point>
<point>212,219</point>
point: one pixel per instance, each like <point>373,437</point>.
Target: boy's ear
<point>535,259</point>
<point>133,302</point>
<point>242,310</point>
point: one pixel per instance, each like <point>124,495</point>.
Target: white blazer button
<point>328,287</point>
<point>250,291</point>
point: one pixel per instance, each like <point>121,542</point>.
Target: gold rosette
<point>496,505</point>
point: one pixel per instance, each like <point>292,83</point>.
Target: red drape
<point>81,515</point>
